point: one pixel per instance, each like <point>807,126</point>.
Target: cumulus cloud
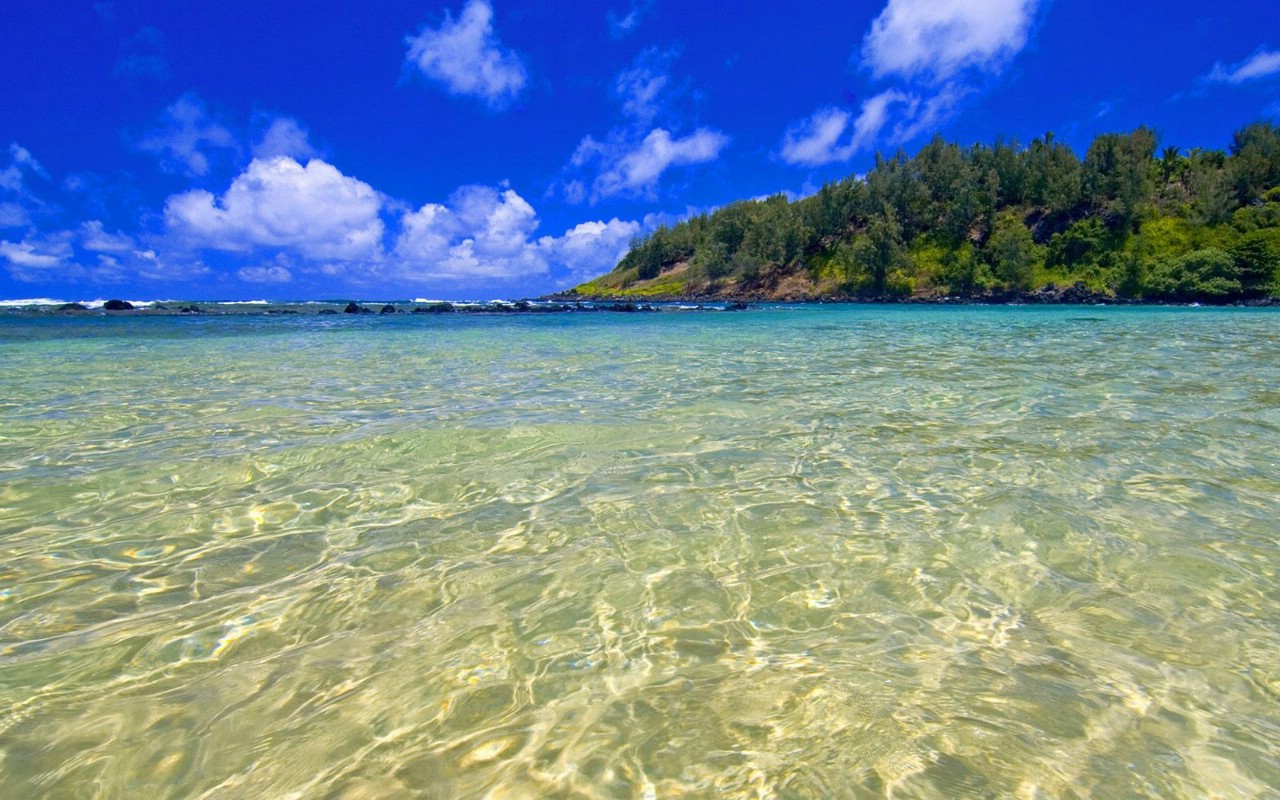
<point>186,137</point>
<point>589,248</point>
<point>1262,64</point>
<point>936,39</point>
<point>313,210</point>
<point>936,52</point>
<point>482,232</point>
<point>466,56</point>
<point>486,234</point>
<point>285,137</point>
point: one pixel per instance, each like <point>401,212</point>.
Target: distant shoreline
<point>575,304</point>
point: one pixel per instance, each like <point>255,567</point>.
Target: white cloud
<point>186,136</point>
<point>637,171</point>
<point>13,215</point>
<point>41,255</point>
<point>633,156</point>
<point>640,86</point>
<point>41,258</point>
<point>834,135</point>
<point>485,234</point>
<point>19,204</point>
<point>285,137</point>
<point>482,233</point>
<point>589,248</point>
<point>925,114</point>
<point>816,140</point>
<point>936,39</point>
<point>53,257</point>
<point>93,236</point>
<point>314,210</point>
<point>271,274</point>
<point>630,167</point>
<point>466,56</point>
<point>937,51</point>
<point>1261,64</point>
<point>620,26</point>
<point>148,265</point>
<point>13,178</point>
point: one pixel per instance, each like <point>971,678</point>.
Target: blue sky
<point>503,148</point>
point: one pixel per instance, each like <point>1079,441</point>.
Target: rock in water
<point>117,305</point>
<point>388,309</point>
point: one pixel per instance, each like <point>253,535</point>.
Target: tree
<point>1207,274</point>
<point>1117,174</point>
<point>711,262</point>
<point>1171,164</point>
<point>964,273</point>
<point>1254,165</point>
<point>1078,244</point>
<point>1255,261</point>
<point>1012,252</point>
<point>1053,177</point>
<point>1211,198</point>
<point>880,250</point>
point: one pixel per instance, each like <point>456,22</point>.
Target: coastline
<point>574,303</point>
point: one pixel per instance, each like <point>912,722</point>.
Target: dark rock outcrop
<point>117,305</point>
<point>71,307</point>
<point>388,309</point>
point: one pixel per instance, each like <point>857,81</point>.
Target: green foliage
<point>964,273</point>
<point>1117,175</point>
<point>1012,252</point>
<point>1208,274</point>
<point>880,250</point>
<point>1082,243</point>
<point>1255,161</point>
<point>1257,259</point>
<point>1130,217</point>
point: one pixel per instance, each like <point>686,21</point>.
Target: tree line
<point>1131,219</point>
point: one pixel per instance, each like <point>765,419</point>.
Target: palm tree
<point>1171,163</point>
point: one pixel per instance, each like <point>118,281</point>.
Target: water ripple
<point>850,552</point>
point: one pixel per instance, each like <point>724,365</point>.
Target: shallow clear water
<point>819,552</point>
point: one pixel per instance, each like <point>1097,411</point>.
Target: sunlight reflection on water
<point>806,553</point>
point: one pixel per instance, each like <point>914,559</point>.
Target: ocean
<point>792,552</point>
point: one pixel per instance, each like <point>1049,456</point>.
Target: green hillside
<point>1130,220</point>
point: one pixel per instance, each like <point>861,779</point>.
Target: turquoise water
<point>815,552</point>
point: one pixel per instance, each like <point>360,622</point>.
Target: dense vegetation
<point>1131,220</point>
